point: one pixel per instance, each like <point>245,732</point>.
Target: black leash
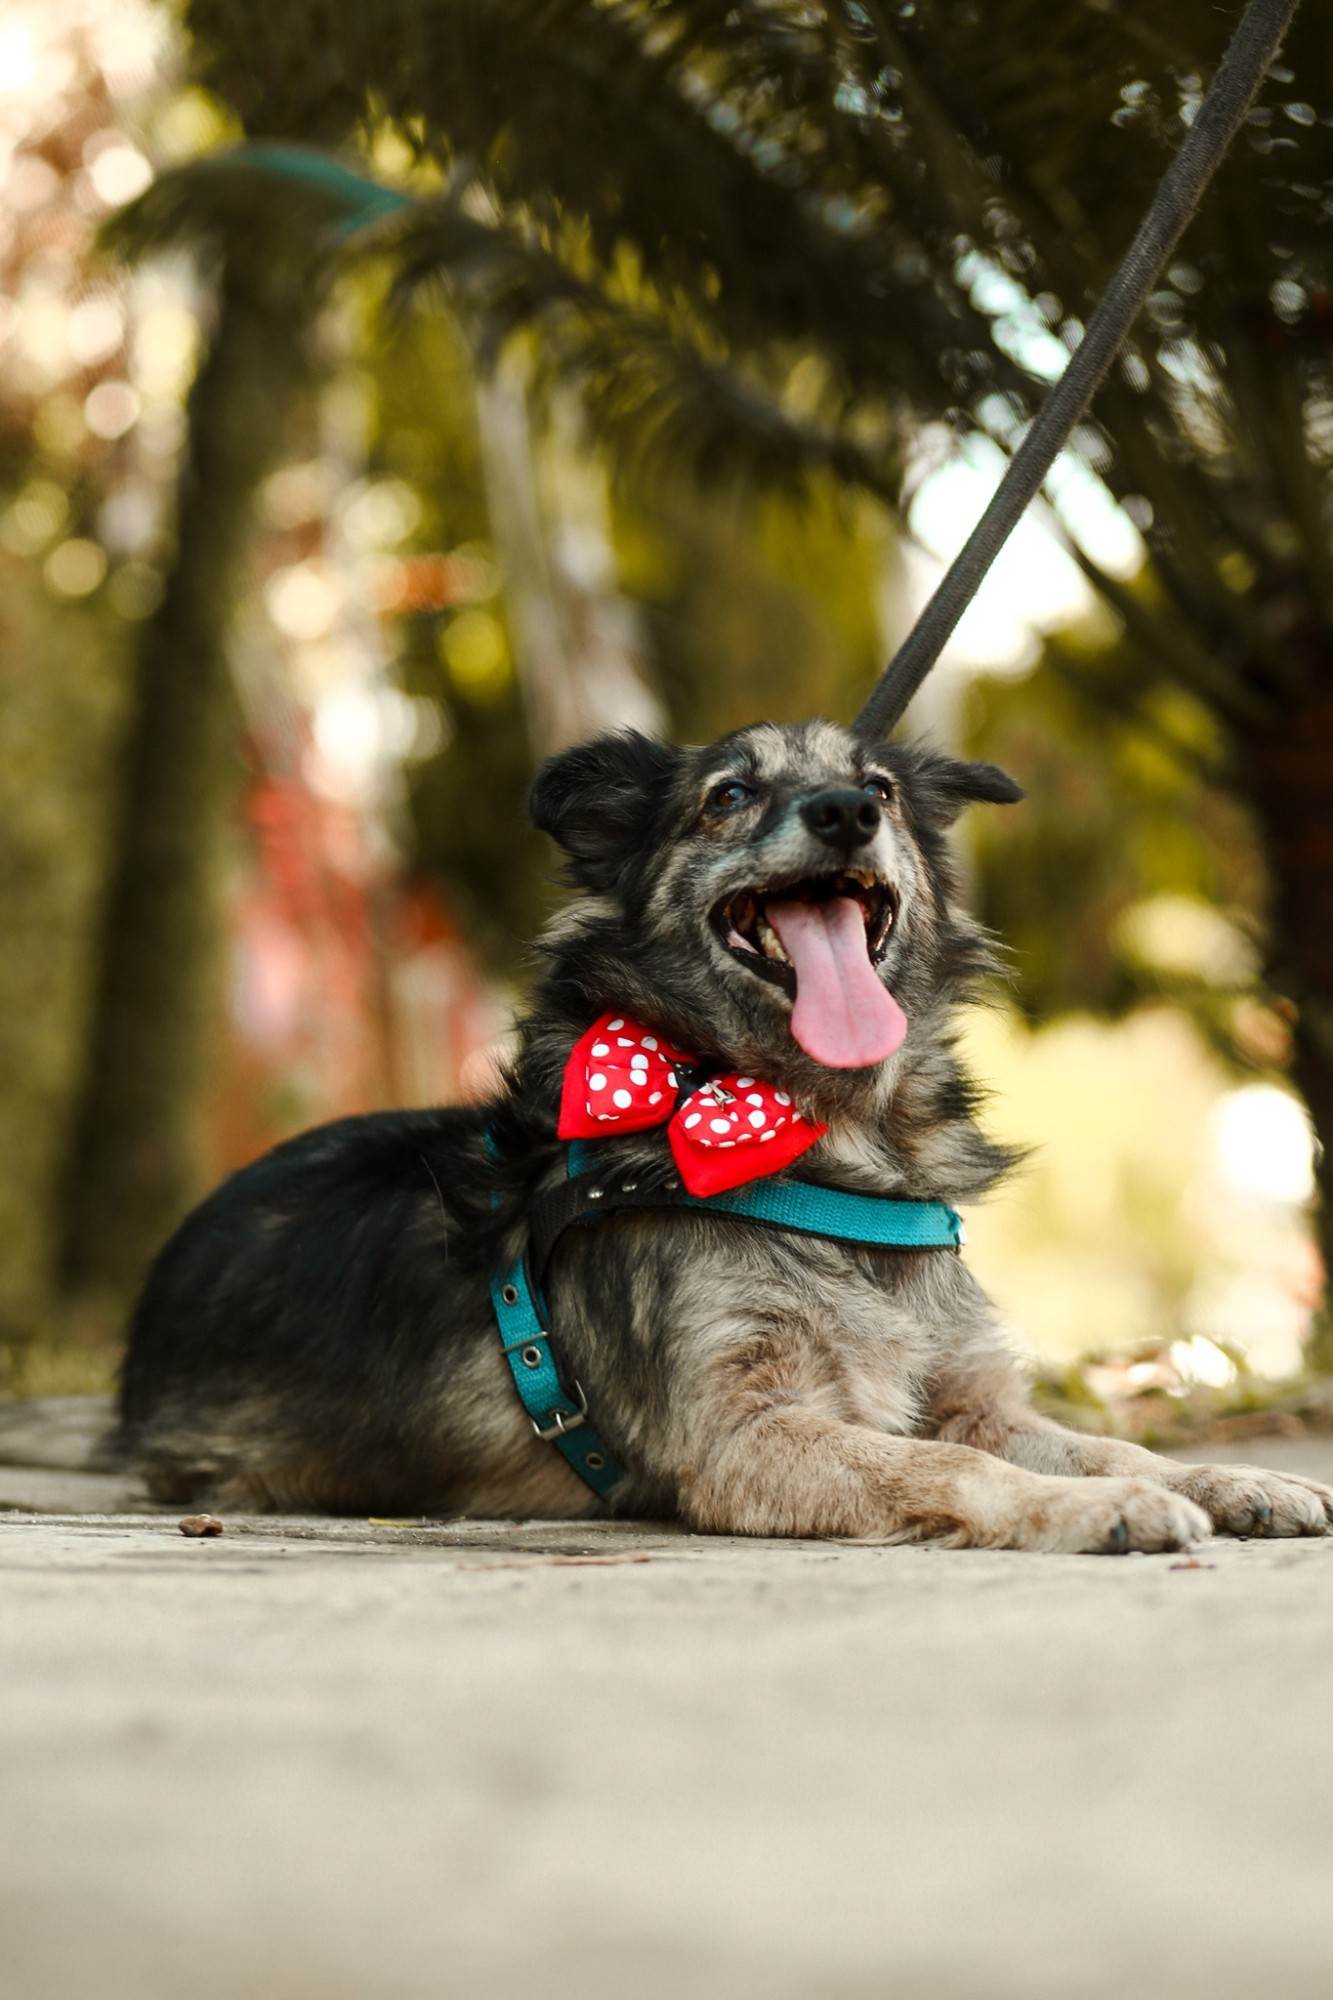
<point>1233,89</point>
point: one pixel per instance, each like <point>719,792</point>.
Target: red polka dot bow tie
<point>621,1077</point>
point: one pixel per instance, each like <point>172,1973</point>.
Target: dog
<point>319,1334</point>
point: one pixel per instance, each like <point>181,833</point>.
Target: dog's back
<point>265,1345</point>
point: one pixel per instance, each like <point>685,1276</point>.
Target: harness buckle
<point>563,1421</point>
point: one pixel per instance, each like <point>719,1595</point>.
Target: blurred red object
<point>352,988</point>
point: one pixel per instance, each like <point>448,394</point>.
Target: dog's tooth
<point>771,942</point>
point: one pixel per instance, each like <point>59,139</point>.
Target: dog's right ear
<point>599,801</point>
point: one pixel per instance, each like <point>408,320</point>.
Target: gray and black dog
<point>319,1334</point>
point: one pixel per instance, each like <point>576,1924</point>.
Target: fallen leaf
<point>200,1524</point>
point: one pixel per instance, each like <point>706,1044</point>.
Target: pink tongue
<point>843,1016</point>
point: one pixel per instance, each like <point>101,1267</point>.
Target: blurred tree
<point>61,691</point>
<point>916,203</point>
<point>133,1160</point>
<point>71,486</point>
<point>133,1155</point>
<point>786,594</point>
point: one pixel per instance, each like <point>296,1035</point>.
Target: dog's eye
<point>727,797</point>
<point>878,788</point>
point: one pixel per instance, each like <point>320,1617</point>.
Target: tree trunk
<point>134,1162</point>
<point>62,698</point>
<point>1292,789</point>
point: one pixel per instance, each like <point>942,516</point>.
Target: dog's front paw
<point>1246,1500</point>
<point>1111,1517</point>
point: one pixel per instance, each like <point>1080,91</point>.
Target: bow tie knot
<point>622,1077</point>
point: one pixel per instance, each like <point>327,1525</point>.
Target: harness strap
<point>560,1416</point>
<point>557,1416</point>
<point>776,1204</point>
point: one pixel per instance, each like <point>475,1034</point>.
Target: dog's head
<point>780,897</point>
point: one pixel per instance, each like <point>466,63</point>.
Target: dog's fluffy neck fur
<point>906,1128</point>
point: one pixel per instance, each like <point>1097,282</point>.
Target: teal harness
<point>561,1417</point>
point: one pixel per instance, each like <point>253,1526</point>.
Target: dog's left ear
<point>940,787</point>
<point>599,801</point>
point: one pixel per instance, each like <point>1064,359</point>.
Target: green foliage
<point>758,242</point>
<point>1117,812</point>
<point>784,594</point>
<point>918,195</point>
<point>64,694</point>
<point>463,828</point>
<point>134,1160</point>
<point>765,609</point>
<point>764,243</point>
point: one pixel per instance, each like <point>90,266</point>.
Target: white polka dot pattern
<point>633,1082</point>
<point>628,1075</point>
<point>620,1076</point>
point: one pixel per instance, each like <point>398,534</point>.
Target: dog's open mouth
<point>821,940</point>
<point>743,924</point>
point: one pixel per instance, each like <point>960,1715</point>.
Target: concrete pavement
<point>317,1760</point>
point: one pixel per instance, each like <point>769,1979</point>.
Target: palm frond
<point>655,126</point>
<point>789,179</point>
<point>651,391</point>
<point>265,197</point>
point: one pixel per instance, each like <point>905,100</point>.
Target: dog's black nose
<point>843,818</point>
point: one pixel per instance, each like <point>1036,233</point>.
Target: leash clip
<point>564,1421</point>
